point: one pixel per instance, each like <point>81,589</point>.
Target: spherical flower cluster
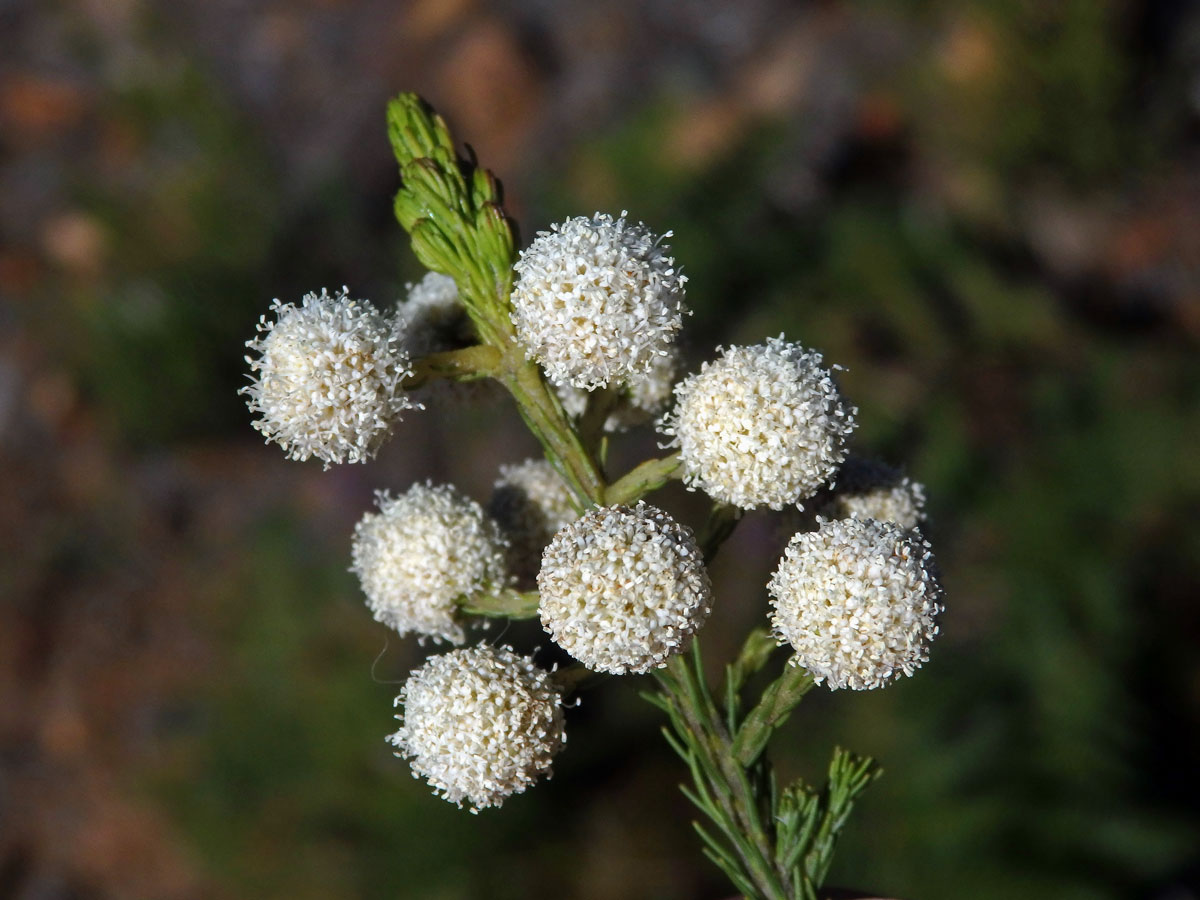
<point>479,724</point>
<point>642,398</point>
<point>421,552</point>
<point>867,489</point>
<point>326,382</point>
<point>622,589</point>
<point>858,600</point>
<point>596,300</point>
<point>434,319</point>
<point>760,426</point>
<point>530,503</point>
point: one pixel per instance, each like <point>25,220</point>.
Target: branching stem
<point>773,845</point>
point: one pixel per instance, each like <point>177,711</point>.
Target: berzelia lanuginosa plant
<point>580,328</point>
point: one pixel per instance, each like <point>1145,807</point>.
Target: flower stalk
<point>596,302</point>
<point>769,853</point>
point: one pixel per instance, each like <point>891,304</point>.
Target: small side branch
<point>507,604</point>
<point>641,480</point>
<point>467,364</point>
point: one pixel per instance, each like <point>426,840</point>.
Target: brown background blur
<point>990,213</point>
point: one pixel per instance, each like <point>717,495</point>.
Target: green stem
<point>508,604</point>
<point>641,480</point>
<point>544,415</point>
<point>738,803</point>
<point>600,403</point>
<point>452,210</point>
<point>722,519</point>
<point>575,676</point>
<point>480,361</point>
<point>777,703</point>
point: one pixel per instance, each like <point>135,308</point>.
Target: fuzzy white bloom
<point>857,599</point>
<point>868,489</point>
<point>596,300</point>
<point>434,319</point>
<point>326,382</point>
<point>760,426</point>
<point>423,551</point>
<point>530,503</point>
<point>622,589</point>
<point>642,398</point>
<point>479,724</point>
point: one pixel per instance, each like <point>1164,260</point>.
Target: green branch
<point>722,788</point>
<point>508,604</point>
<point>641,480</point>
<point>452,210</point>
<point>467,364</point>
<point>777,703</point>
<point>773,845</point>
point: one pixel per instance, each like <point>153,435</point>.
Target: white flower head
<point>479,724</point>
<point>623,588</point>
<point>530,503</point>
<point>643,396</point>
<point>760,426</point>
<point>326,382</point>
<point>868,489</point>
<point>433,318</point>
<point>597,300</point>
<point>857,599</point>
<point>423,551</point>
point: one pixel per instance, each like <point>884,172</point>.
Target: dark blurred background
<point>990,213</point>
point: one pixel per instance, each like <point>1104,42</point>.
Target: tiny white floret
<point>596,300</point>
<point>421,553</point>
<point>623,588</point>
<point>641,397</point>
<point>531,502</point>
<point>433,318</point>
<point>326,381</point>
<point>479,724</point>
<point>858,601</point>
<point>760,426</point>
<point>868,489</point>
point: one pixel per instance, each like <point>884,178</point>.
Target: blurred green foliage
<point>1049,748</point>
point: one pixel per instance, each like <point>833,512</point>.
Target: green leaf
<point>777,703</point>
<point>452,210</point>
<point>849,776</point>
<point>756,650</point>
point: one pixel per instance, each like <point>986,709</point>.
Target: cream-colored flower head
<point>479,724</point>
<point>434,319</point>
<point>423,551</point>
<point>530,503</point>
<point>857,600</point>
<point>760,426</point>
<point>622,589</point>
<point>326,382</point>
<point>596,300</point>
<point>868,489</point>
<point>642,397</point>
